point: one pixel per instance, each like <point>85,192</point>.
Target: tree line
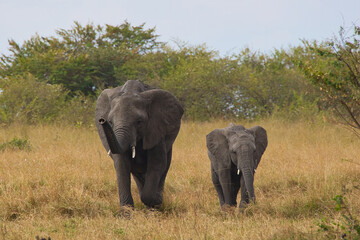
<point>58,77</point>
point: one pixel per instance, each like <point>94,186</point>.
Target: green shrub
<point>299,108</point>
<point>346,227</point>
<point>16,143</point>
<point>79,110</point>
<point>25,99</point>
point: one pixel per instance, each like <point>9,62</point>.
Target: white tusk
<point>109,152</point>
<point>133,151</point>
<point>238,173</point>
<point>255,170</point>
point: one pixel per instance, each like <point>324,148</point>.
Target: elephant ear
<point>165,114</point>
<point>218,145</point>
<point>261,141</point>
<point>103,106</point>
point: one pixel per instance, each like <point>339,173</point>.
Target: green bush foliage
<point>25,99</point>
<point>78,110</point>
<point>333,67</point>
<point>57,78</point>
<point>200,80</point>
<point>16,143</point>
<point>347,226</point>
<point>83,58</point>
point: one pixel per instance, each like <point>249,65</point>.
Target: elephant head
<point>236,146</point>
<point>136,112</point>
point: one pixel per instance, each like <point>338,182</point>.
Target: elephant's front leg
<point>228,187</point>
<point>122,168</point>
<point>216,182</point>
<point>151,194</point>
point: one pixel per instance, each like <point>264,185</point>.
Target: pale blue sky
<point>224,25</point>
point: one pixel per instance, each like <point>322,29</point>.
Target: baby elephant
<point>235,153</point>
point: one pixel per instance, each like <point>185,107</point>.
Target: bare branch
<point>350,113</point>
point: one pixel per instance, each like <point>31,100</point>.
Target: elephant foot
<point>227,208</point>
<point>125,212</point>
<point>154,208</point>
<point>157,207</point>
<point>243,205</point>
<point>246,208</point>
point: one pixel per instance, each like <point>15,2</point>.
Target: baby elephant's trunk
<point>246,165</point>
<point>110,136</point>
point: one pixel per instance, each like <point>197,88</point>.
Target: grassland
<point>64,186</point>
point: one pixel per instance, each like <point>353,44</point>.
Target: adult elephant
<point>137,125</point>
<point>235,153</point>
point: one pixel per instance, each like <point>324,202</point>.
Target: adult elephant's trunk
<point>110,136</point>
<point>246,165</point>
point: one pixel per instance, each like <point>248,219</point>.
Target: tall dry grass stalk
<point>65,186</point>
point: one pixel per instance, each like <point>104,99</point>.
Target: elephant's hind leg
<point>140,180</point>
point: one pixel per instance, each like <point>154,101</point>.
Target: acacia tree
<point>334,67</point>
<point>81,59</point>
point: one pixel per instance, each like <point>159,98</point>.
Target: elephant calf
<point>235,153</point>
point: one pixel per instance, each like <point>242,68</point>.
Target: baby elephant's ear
<point>217,144</point>
<point>261,141</point>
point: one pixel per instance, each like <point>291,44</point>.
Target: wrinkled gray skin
<point>235,153</point>
<point>137,116</point>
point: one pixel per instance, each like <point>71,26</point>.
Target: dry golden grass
<point>65,186</point>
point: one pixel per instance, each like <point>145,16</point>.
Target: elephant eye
<point>139,122</point>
